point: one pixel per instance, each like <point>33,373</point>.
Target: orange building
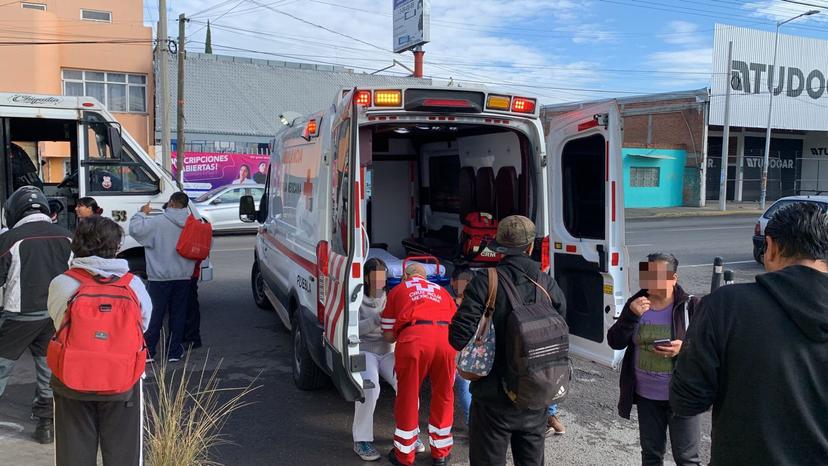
<point>97,48</point>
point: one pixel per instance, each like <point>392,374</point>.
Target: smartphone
<point>664,342</point>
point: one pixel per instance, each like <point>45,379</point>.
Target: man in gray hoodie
<point>169,273</point>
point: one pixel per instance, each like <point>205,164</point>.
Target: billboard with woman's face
<point>204,171</point>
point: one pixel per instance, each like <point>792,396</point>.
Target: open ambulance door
<point>342,256</point>
<point>586,206</point>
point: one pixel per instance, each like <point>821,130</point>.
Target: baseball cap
<point>514,234</point>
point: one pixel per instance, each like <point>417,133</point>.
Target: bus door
<point>344,253</point>
<point>588,255</point>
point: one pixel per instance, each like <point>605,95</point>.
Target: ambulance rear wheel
<point>306,374</point>
<point>258,285</point>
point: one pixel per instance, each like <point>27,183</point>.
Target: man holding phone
<point>651,328</point>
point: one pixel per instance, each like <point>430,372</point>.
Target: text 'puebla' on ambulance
<point>101,160</point>
<point>427,172</point>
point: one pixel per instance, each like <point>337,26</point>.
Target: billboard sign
<point>800,100</point>
<point>411,24</point>
<point>204,171</point>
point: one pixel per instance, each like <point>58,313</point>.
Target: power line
<point>76,42</point>
<point>212,7</point>
<point>220,16</point>
<point>227,47</point>
<point>318,25</point>
<point>476,64</point>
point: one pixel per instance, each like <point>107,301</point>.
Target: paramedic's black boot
<point>45,431</point>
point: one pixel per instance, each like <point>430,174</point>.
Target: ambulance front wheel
<point>258,285</point>
<point>306,374</point>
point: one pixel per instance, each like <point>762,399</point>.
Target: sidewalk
<point>710,210</point>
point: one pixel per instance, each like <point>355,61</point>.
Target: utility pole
<point>726,133</point>
<point>179,123</point>
<point>164,92</point>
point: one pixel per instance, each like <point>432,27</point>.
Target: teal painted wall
<point>671,178</point>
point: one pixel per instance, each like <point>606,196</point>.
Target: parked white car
<point>759,228</point>
<point>220,207</point>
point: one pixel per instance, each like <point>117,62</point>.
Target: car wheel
<point>306,374</point>
<point>258,285</point>
<point>758,255</point>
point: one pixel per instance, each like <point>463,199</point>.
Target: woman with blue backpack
<point>98,355</point>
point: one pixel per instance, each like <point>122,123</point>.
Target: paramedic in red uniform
<point>417,317</point>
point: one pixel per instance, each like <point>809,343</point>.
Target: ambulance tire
<point>306,374</point>
<point>257,284</point>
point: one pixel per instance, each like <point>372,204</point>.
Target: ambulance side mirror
<point>247,209</point>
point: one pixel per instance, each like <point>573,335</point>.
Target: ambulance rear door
<point>586,244</point>
<point>344,253</point>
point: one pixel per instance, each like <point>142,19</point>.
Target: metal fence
<point>789,174</point>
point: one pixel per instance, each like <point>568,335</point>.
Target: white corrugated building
<point>232,104</point>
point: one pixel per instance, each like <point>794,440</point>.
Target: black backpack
<point>537,349</point>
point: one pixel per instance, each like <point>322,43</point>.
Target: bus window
<point>126,175</point>
<point>582,171</point>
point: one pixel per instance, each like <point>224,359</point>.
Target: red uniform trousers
<point>423,350</point>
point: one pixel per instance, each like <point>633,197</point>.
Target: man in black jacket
<point>32,253</point>
<point>758,352</point>
<point>494,421</point>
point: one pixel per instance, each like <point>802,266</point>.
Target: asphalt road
<point>287,426</point>
<point>695,241</point>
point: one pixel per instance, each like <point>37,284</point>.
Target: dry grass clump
<point>186,416</point>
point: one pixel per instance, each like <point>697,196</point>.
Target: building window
<point>119,92</point>
<point>33,6</point>
<point>96,15</point>
<point>644,177</point>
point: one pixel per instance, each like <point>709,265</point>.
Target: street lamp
<point>771,87</point>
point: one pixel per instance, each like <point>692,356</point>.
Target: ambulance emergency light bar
<point>443,100</point>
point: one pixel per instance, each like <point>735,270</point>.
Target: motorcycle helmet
<point>25,201</point>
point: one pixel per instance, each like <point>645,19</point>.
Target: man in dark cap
<point>495,421</point>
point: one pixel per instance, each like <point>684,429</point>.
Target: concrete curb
<point>692,213</point>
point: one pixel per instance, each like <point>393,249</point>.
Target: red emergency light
<point>452,103</point>
<point>523,105</point>
<point>363,98</point>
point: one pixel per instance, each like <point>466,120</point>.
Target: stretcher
<point>435,272</point>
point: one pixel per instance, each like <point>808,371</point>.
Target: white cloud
<point>683,33</point>
<point>692,60</point>
<point>778,10</point>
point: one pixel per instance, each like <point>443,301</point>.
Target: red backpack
<point>479,229</point>
<point>195,240</point>
<point>100,347</point>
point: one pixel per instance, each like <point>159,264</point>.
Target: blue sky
<point>559,50</point>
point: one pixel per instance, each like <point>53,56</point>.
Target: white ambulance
<point>100,159</point>
<point>392,172</point>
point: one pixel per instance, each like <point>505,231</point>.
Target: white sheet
<point>395,264</point>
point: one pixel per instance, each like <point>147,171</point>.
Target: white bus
<point>393,172</point>
<point>103,161</point>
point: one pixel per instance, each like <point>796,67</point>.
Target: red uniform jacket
<point>413,300</point>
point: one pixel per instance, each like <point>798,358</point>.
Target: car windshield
<point>209,194</point>
<point>786,202</point>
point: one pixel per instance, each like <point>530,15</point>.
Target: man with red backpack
<point>100,311</point>
<point>168,271</point>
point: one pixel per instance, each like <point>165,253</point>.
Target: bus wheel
<point>306,374</point>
